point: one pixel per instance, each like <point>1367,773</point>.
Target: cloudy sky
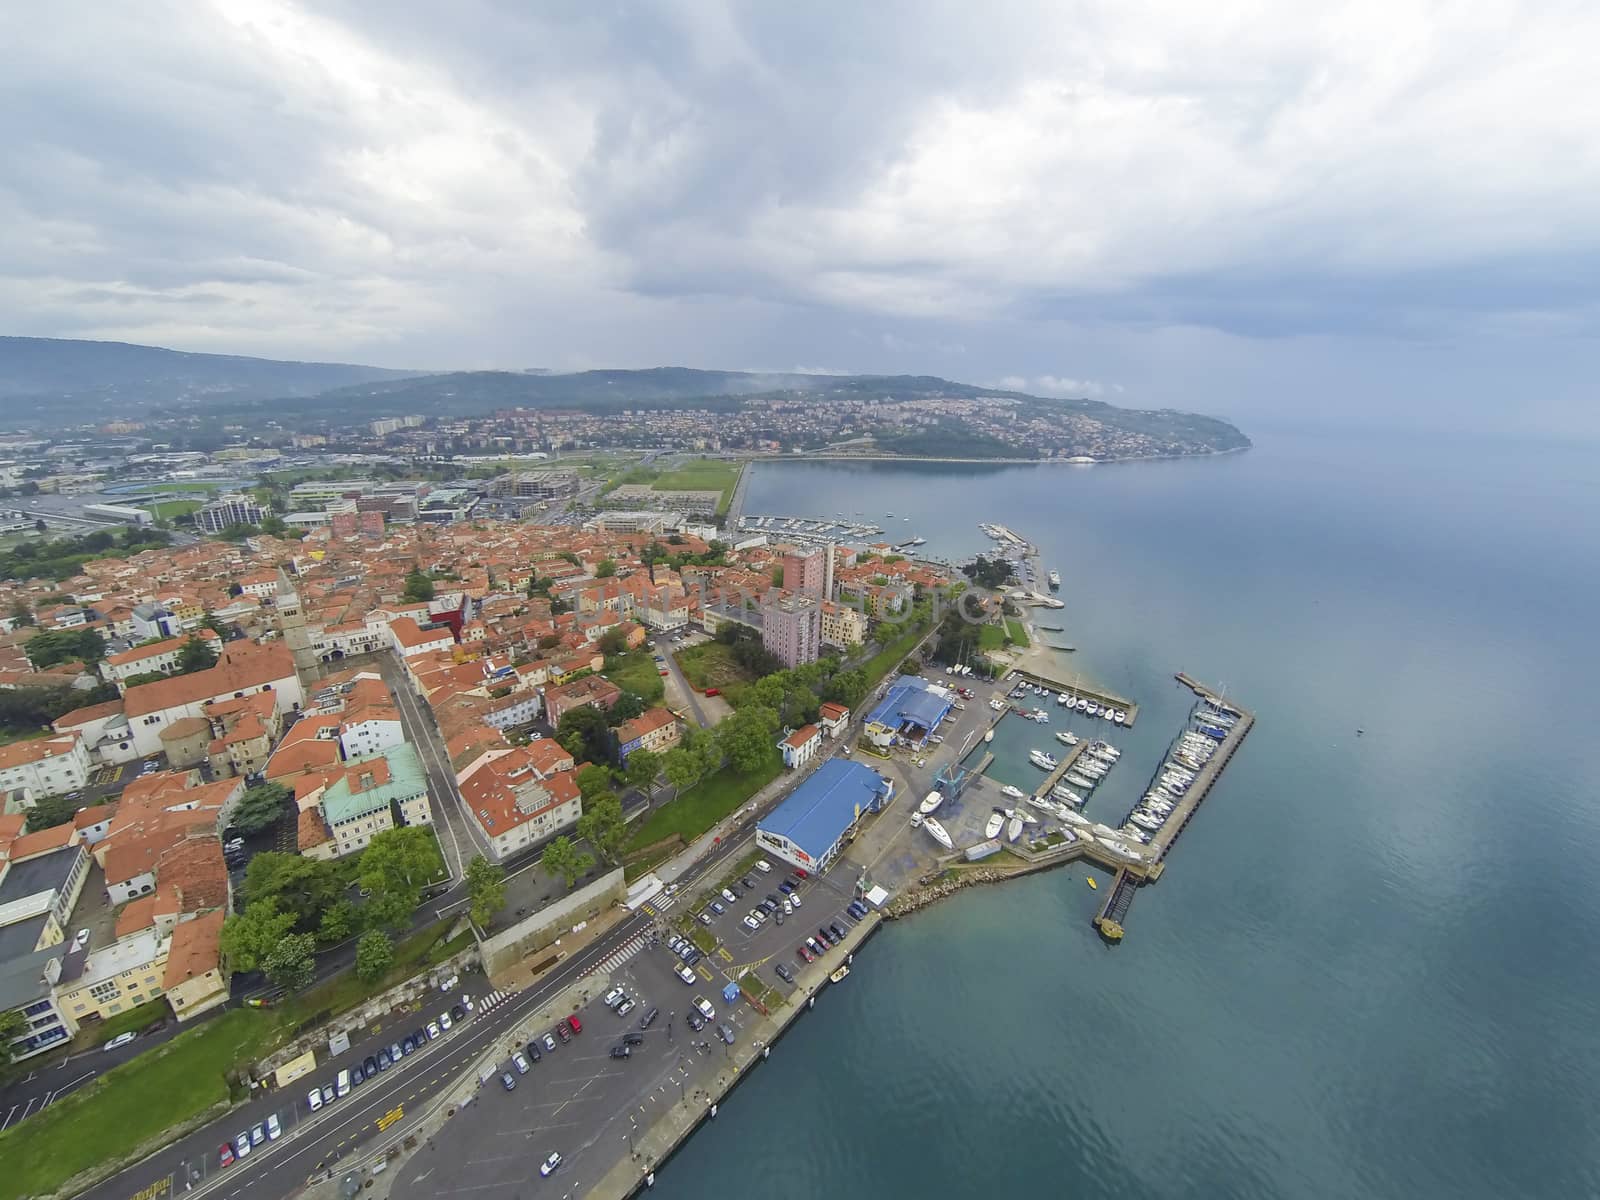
<point>1259,209</point>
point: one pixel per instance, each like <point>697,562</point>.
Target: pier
<point>1090,692</point>
<point>1063,765</point>
<point>1115,910</point>
<point>1184,811</point>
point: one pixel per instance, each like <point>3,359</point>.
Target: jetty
<point>1178,820</point>
<point>1091,692</point>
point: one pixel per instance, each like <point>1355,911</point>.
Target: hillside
<point>80,380</point>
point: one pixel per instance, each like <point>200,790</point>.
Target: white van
<point>341,1086</point>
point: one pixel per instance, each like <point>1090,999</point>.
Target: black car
<point>406,1045</point>
<point>633,1039</point>
<point>692,957</point>
<point>419,1037</point>
<point>369,1067</point>
<point>649,1018</point>
<point>748,884</point>
<point>826,938</point>
<point>457,1013</point>
<point>838,930</point>
<point>534,1052</point>
<point>784,973</point>
<point>383,1060</point>
<point>794,884</point>
<point>774,900</point>
<point>696,1021</point>
<point>621,1051</point>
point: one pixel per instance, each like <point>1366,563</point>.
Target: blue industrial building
<point>809,828</point>
<point>912,708</point>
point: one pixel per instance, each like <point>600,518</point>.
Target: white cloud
<point>1052,385</point>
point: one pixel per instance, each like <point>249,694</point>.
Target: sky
<point>1378,211</point>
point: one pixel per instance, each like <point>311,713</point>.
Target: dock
<point>1184,812</point>
<point>1091,692</point>
<point>1115,910</point>
<point>1063,765</point>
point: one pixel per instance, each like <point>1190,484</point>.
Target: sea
<point>1372,967</point>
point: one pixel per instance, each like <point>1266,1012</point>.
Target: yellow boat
<point>1093,884</point>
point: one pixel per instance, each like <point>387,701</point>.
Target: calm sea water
<point>1372,967</point>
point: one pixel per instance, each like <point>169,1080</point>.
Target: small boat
<point>1055,579</point>
<point>992,826</point>
<point>1013,828</point>
<point>1043,805</point>
<point>1066,737</point>
<point>1013,792</point>
<point>1076,819</point>
<point>936,831</point>
<point>930,802</point>
<point>1119,717</point>
<point>1093,884</point>
<point>838,976</point>
<point>1067,794</point>
<point>1045,762</point>
<point>1078,781</point>
<point>988,735</point>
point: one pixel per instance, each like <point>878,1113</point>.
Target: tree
<point>641,770</point>
<point>21,615</point>
<point>593,779</point>
<point>628,706</point>
<point>613,641</point>
<point>605,569</point>
<point>303,887</point>
<point>39,526</point>
<point>582,732</point>
<point>292,964</point>
<point>374,955</point>
<point>247,937</point>
<point>12,1026</point>
<point>394,866</point>
<point>259,807</point>
<point>418,587</point>
<point>682,767</point>
<point>486,884</point>
<point>51,811</point>
<point>746,736</point>
<point>65,645</point>
<point>338,922</point>
<point>561,857</point>
<point>273,524</point>
<point>602,825</point>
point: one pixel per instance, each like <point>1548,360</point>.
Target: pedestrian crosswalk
<point>621,954</point>
<point>492,1000</point>
<point>660,903</point>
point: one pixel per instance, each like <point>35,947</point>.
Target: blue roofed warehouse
<point>912,708</point>
<point>810,827</point>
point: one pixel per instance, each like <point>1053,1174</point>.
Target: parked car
<point>704,1005</point>
<point>563,1032</point>
<point>649,1018</point>
<point>674,942</point>
<point>729,897</point>
<point>258,1133</point>
<point>394,1052</point>
<point>748,884</point>
<point>786,887</point>
<point>816,947</point>
<point>703,916</point>
<point>696,1021</point>
<point>794,898</point>
<point>458,1012</point>
<point>549,1166</point>
<point>444,1021</point>
<point>549,1042</point>
<point>751,922</point>
<point>533,1050</point>
<point>314,1099</point>
<point>241,1145</point>
<point>632,1038</point>
<point>274,1128</point>
<point>692,957</point>
<point>806,954</point>
<point>383,1062</point>
<point>433,1030</point>
<point>574,1024</point>
<point>122,1039</point>
<point>718,907</point>
<point>369,1066</point>
<point>686,973</point>
<point>725,1033</point>
<point>225,1154</point>
<point>508,1081</point>
<point>328,1093</point>
<point>839,930</point>
<point>624,1008</point>
<point>763,866</point>
<point>520,1063</point>
<point>784,973</point>
<point>711,691</point>
<point>621,1050</point>
<point>826,938</point>
<point>612,997</point>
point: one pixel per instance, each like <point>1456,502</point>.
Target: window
<point>104,991</point>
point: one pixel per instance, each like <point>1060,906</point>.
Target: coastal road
<point>314,1141</point>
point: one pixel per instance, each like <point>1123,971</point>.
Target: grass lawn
<point>706,803</point>
<point>130,1104</point>
<point>165,510</point>
<point>7,736</point>
<point>343,992</point>
<point>711,664</point>
<point>696,475</point>
<point>1016,632</point>
<point>636,672</point>
<point>182,486</point>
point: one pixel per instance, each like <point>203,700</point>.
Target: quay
<point>1063,765</point>
<point>1093,693</point>
<point>1181,815</point>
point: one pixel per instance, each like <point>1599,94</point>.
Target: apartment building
<point>655,729</point>
<point>842,625</point>
<point>791,628</point>
<point>39,767</point>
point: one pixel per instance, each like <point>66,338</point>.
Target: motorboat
<point>839,975</point>
<point>936,831</point>
<point>1066,737</point>
<point>988,735</point>
<point>992,827</point>
<point>1055,579</point>
<point>1078,781</point>
<point>1014,792</point>
<point>930,802</point>
<point>1045,762</point>
<point>1145,820</point>
<point>1093,884</point>
<point>1121,850</point>
<point>1120,716</point>
<point>1067,794</point>
<point>1075,819</point>
<point>1106,750</point>
<point>1044,805</point>
<point>1013,828</point>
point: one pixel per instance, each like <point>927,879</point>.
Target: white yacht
<point>1045,762</point>
<point>1061,792</point>
<point>988,735</point>
<point>1106,751</point>
<point>930,802</point>
<point>992,827</point>
<point>1121,850</point>
<point>1119,717</point>
<point>1055,579</point>
<point>1078,781</point>
<point>1140,817</point>
<point>936,831</point>
<point>1014,793</point>
<point>1044,805</point>
<point>1066,737</point>
<point>1013,828</point>
<point>1076,819</point>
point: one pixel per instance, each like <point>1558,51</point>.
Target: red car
<point>226,1154</point>
<point>563,1032</point>
<point>577,1025</point>
<point>806,954</point>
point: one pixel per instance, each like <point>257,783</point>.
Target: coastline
<point>822,456</point>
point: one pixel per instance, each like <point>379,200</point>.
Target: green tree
<point>247,937</point>
<point>51,811</point>
<point>746,737</point>
<point>592,780</point>
<point>292,964</point>
<point>486,884</point>
<point>613,641</point>
<point>273,524</point>
<point>260,806</point>
<point>582,732</point>
<point>56,646</point>
<point>21,614</point>
<point>605,569</point>
<point>394,867</point>
<point>305,887</point>
<point>682,767</point>
<point>374,955</point>
<point>562,857</point>
<point>195,655</point>
<point>12,1025</point>
<point>602,825</point>
<point>338,922</point>
<point>418,587</point>
<point>642,768</point>
<point>628,706</point>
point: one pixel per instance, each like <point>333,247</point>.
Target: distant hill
<point>80,380</point>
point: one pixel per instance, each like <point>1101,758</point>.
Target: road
<point>459,835</point>
<point>664,646</point>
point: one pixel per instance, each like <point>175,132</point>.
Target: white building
<point>49,766</point>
